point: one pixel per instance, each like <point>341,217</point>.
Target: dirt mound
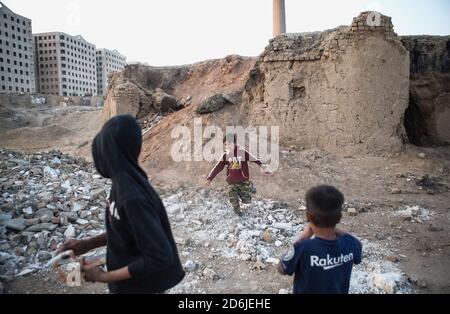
<point>43,127</point>
<point>138,89</point>
<point>34,138</point>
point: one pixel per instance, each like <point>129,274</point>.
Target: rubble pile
<point>45,198</point>
<point>49,197</point>
<point>205,221</point>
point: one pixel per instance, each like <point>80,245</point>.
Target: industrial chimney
<point>279,17</point>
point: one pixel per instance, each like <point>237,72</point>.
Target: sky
<point>175,32</point>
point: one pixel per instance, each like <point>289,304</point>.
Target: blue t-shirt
<point>322,266</point>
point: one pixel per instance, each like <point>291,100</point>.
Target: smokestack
<point>279,17</point>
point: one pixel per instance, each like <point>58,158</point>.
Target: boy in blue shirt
<point>323,257</point>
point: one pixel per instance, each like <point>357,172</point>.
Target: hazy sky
<point>170,32</point>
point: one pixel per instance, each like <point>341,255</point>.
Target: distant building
<point>108,61</point>
<point>16,53</point>
<point>65,65</point>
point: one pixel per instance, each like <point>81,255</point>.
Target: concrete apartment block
<point>65,65</point>
<point>108,61</point>
<point>16,53</point>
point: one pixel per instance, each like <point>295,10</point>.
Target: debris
<point>258,266</point>
<point>413,213</point>
<point>432,185</point>
<point>387,282</point>
<point>213,104</point>
<point>70,232</point>
<point>42,227</point>
<point>26,271</point>
<point>266,236</point>
<point>282,226</point>
<point>50,172</point>
<point>352,211</point>
<point>32,226</point>
<point>190,265</point>
<point>16,224</point>
<point>28,210</point>
<point>210,274</point>
<point>82,222</point>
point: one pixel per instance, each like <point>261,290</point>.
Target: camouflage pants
<point>239,191</point>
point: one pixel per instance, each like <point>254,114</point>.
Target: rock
<point>421,155</point>
<point>213,104</point>
<point>98,194</point>
<point>164,102</point>
<point>28,210</point>
<point>396,191</point>
<point>77,207</point>
<point>387,282</point>
<point>46,197</point>
<point>16,224</point>
<point>210,274</point>
<point>42,227</point>
<point>392,258</point>
<point>82,222</point>
<point>4,257</point>
<point>84,214</point>
<point>278,243</point>
<point>55,161</point>
<point>245,257</point>
<point>70,232</point>
<point>71,217</point>
<point>33,221</point>
<point>173,209</point>
<point>26,271</point>
<point>234,98</point>
<point>258,265</point>
<point>352,211</point>
<point>282,226</point>
<point>66,185</point>
<point>51,173</point>
<point>272,260</point>
<point>190,266</point>
<point>4,218</point>
<point>283,291</point>
<point>45,215</point>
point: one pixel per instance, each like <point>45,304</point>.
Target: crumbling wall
<point>344,89</point>
<point>142,90</point>
<point>428,115</point>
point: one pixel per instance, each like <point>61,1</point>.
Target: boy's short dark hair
<point>324,204</point>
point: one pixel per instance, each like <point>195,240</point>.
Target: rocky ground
<point>48,197</point>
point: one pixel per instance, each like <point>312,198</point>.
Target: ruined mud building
<point>357,88</point>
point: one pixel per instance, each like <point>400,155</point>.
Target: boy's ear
<point>308,217</point>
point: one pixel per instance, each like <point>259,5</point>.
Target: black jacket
<point>138,229</point>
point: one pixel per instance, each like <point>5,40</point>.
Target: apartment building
<point>108,61</point>
<point>17,70</point>
<point>65,65</point>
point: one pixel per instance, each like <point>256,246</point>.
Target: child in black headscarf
<point>142,256</point>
